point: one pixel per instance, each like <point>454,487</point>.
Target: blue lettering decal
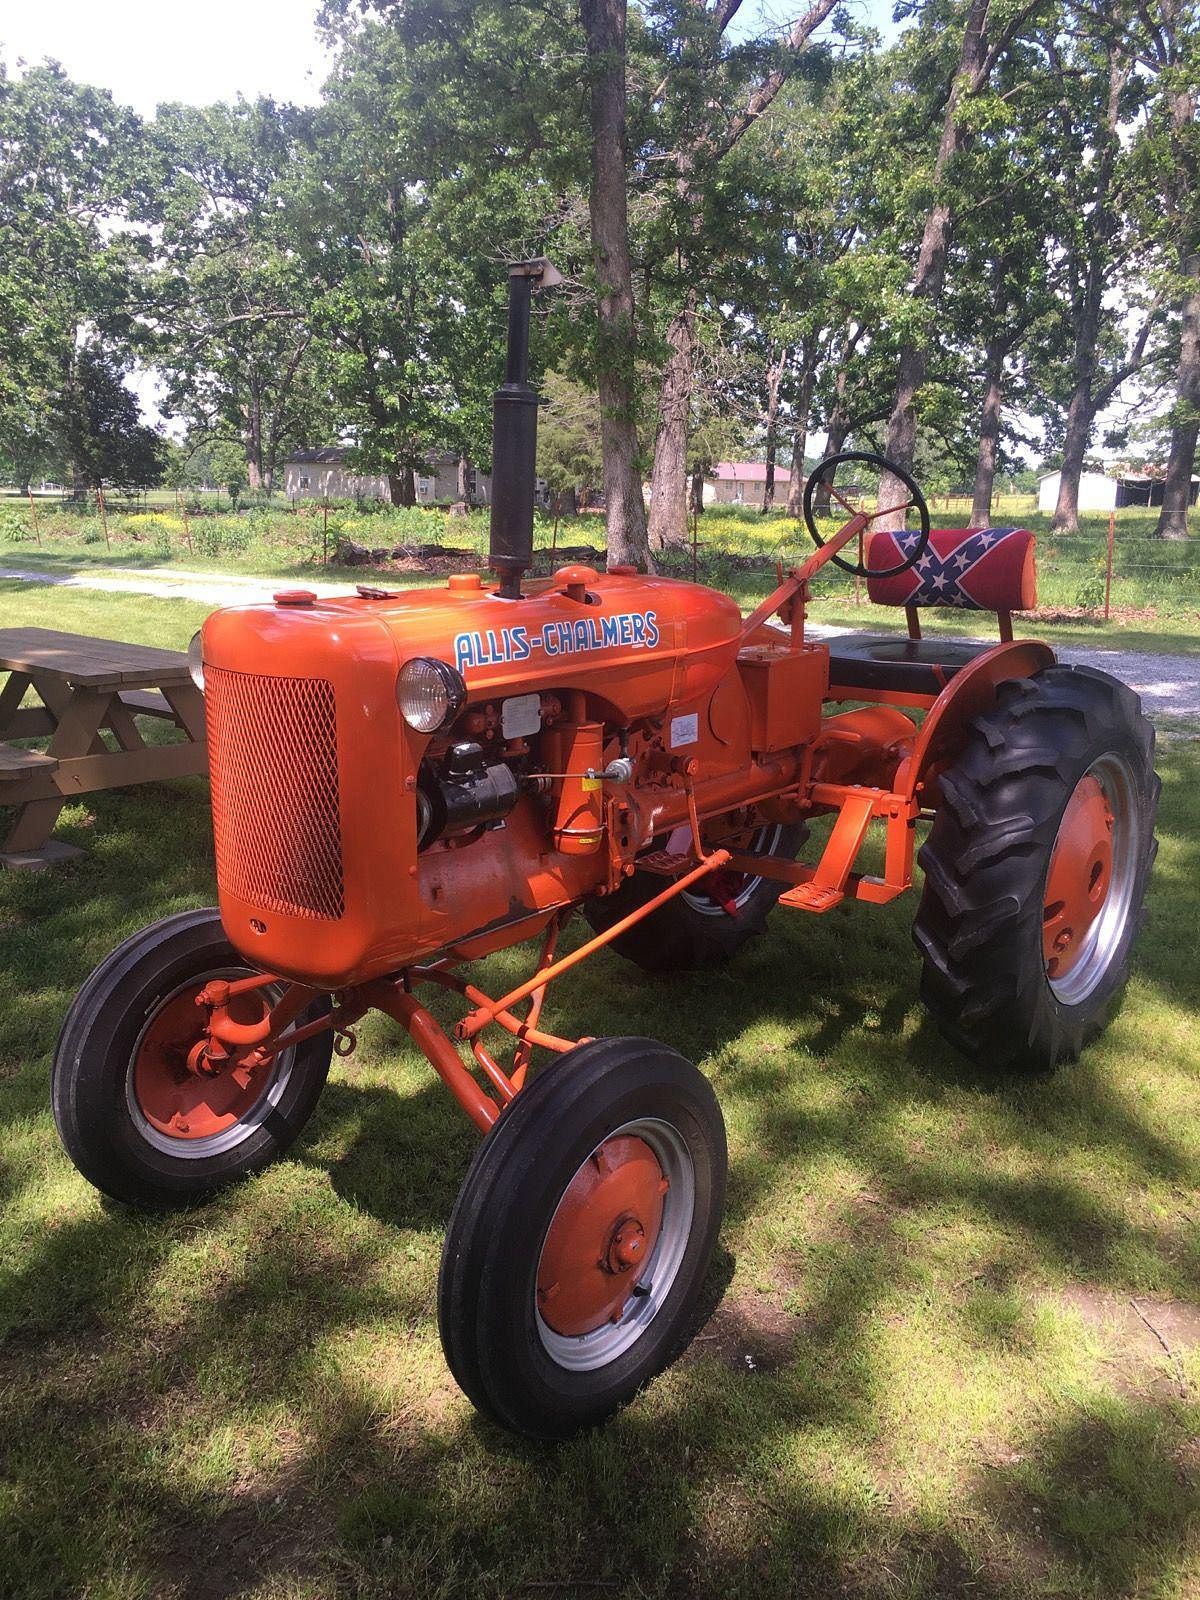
<point>652,634</point>
<point>639,628</point>
<point>549,639</point>
<point>626,627</point>
<point>582,642</point>
<point>464,651</point>
<point>520,644</point>
<point>608,630</point>
<point>565,642</point>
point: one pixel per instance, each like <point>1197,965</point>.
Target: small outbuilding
<point>1146,489</point>
<point>1098,491</point>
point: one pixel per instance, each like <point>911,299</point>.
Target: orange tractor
<point>406,782</point>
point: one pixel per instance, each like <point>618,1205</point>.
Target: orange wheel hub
<point>178,1100</point>
<point>1080,876</point>
<point>601,1238</point>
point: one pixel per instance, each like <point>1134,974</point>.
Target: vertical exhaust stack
<point>514,436</point>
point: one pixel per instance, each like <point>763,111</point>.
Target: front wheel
<point>134,1117</point>
<point>1036,868</point>
<point>581,1237</point>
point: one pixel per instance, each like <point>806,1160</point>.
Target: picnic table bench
<point>70,689</point>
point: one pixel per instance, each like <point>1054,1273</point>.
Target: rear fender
<point>968,695</point>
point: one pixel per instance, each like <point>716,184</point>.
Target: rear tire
<point>695,930</point>
<point>115,1082</point>
<point>1036,869</point>
<point>581,1237</point>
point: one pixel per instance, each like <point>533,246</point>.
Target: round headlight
<point>196,662</point>
<point>430,694</point>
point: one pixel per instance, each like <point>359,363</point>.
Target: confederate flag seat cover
<point>977,569</point>
<point>973,569</point>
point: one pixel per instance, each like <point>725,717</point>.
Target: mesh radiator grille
<point>272,746</point>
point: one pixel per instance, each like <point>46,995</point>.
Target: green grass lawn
<point>922,1369</point>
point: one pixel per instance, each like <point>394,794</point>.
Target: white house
<point>323,475</point>
<point>741,483</point>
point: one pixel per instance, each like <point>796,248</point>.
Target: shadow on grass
<point>249,1398</point>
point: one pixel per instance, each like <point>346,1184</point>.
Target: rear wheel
<point>705,926</point>
<point>136,1119</point>
<point>1036,868</point>
<point>581,1237</point>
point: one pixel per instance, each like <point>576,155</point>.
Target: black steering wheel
<point>823,475</point>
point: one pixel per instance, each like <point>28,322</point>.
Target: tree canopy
<point>964,244</point>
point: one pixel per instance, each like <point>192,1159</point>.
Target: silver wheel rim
<point>764,843</point>
<point>585,1352</point>
<point>238,1132</point>
<point>1102,942</point>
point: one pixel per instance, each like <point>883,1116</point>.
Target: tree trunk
<point>835,439</point>
<point>402,487</point>
<point>1177,489</point>
<point>254,442</point>
<point>604,27</point>
<point>795,499</point>
<point>931,272</point>
<point>1081,414</point>
<point>774,377</point>
<point>1088,309</point>
<point>668,484</point>
<point>989,433</point>
<point>699,473</point>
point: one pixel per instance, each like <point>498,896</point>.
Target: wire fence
<point>1113,569</point>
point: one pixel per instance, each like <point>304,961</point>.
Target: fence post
<point>187,531</point>
<point>1112,528</point>
<point>37,532</point>
<point>324,532</point>
<point>103,513</point>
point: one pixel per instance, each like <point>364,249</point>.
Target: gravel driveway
<point>1168,684</point>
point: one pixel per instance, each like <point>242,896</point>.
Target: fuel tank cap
<point>573,581</point>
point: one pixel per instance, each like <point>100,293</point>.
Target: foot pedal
<point>811,897</point>
<point>664,862</point>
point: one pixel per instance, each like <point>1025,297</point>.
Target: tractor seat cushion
<point>901,666</point>
<point>976,569</point>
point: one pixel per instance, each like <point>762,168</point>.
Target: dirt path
<point>1168,684</point>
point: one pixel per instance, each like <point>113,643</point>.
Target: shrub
<point>14,525</point>
<point>239,534</point>
<point>206,537</point>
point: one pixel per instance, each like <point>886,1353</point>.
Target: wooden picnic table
<point>70,690</point>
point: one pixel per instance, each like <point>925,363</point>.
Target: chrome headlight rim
<point>195,659</point>
<point>444,685</point>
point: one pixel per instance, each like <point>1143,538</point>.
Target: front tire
<point>135,1121</point>
<point>1036,869</point>
<point>581,1236</point>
